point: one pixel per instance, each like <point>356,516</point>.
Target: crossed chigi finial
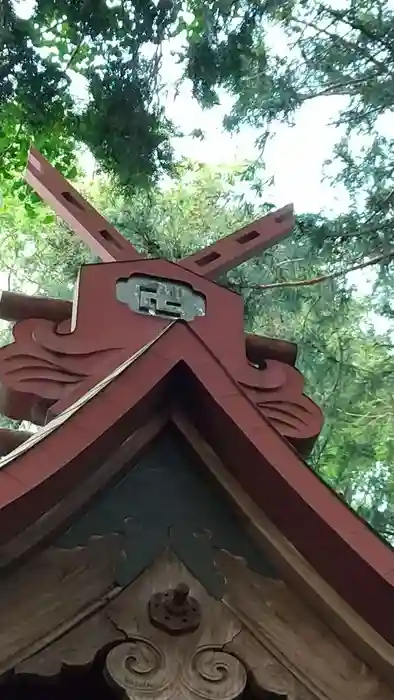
<point>105,241</point>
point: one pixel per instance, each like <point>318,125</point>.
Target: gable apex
<point>265,465</point>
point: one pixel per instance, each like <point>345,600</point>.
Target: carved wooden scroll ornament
<point>142,670</point>
<point>259,635</point>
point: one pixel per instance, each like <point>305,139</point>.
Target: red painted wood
<point>102,238</point>
<point>50,367</point>
<point>105,240</point>
<point>52,468</point>
<point>225,254</point>
<point>18,307</point>
<point>337,544</point>
<point>10,439</point>
<point>259,349</point>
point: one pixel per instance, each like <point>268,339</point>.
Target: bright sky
<point>294,156</point>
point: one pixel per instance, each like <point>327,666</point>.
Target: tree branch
<point>337,88</point>
<point>322,278</point>
<point>344,16</point>
<point>336,38</point>
<point>74,54</point>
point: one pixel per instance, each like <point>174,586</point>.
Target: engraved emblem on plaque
<point>159,297</point>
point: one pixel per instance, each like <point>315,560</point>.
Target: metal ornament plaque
<point>159,297</point>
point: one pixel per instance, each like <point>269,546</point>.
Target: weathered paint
<point>169,499</point>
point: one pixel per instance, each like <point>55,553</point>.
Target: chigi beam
<point>108,243</point>
<point>102,238</point>
<point>242,245</point>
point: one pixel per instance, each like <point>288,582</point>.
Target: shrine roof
<point>149,341</point>
<point>339,546</point>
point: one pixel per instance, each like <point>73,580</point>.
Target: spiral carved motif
<point>143,670</point>
<point>140,668</point>
<point>211,672</point>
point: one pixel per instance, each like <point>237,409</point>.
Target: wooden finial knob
<point>175,611</point>
<point>180,594</point>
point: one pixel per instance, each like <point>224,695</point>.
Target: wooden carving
<point>277,391</point>
<point>145,661</point>
<point>38,368</point>
<point>260,635</point>
<point>43,598</point>
<point>47,361</point>
<point>280,622</point>
<point>144,670</point>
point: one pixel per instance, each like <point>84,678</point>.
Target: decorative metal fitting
<point>175,611</point>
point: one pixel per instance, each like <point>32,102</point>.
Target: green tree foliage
<point>115,48</point>
<point>103,43</point>
<point>344,50</point>
<point>349,367</point>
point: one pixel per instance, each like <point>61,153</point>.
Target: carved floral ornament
<point>220,657</point>
<point>142,669</point>
<point>218,660</point>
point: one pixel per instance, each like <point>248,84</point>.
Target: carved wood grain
<point>39,601</point>
<point>62,608</point>
<point>286,649</point>
<point>298,573</point>
<point>76,649</point>
<point>266,671</point>
<point>126,616</point>
<point>295,636</point>
<point>211,647</point>
<point>141,669</point>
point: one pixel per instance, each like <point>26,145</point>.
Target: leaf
<point>72,173</point>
